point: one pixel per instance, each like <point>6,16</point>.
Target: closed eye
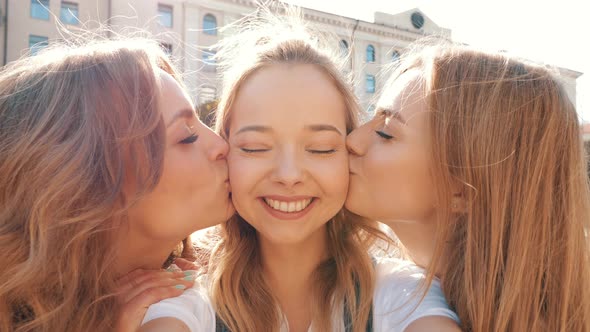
<point>189,140</point>
<point>383,135</point>
<point>254,150</point>
<point>322,151</point>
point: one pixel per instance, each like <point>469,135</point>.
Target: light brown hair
<point>506,134</point>
<point>76,123</point>
<point>241,297</point>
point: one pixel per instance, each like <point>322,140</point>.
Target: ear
<point>458,203</point>
<point>459,200</point>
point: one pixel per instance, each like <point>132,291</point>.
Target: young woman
<point>475,160</point>
<point>292,259</point>
<point>105,169</point>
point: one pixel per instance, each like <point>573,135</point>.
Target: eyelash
<point>311,151</point>
<point>322,151</point>
<point>383,135</point>
<point>189,140</point>
<point>253,150</point>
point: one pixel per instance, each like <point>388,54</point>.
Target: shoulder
<point>400,276</point>
<point>403,298</point>
<point>433,323</point>
<point>193,308</point>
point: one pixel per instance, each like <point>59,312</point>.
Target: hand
<point>141,288</point>
<point>186,265</point>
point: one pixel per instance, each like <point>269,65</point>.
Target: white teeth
<point>288,206</point>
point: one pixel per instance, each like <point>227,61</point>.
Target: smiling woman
<point>308,147</point>
<point>293,259</point>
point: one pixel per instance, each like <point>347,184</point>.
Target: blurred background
<point>373,32</point>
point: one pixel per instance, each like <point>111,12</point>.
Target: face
<point>288,162</point>
<point>193,191</point>
<point>390,157</point>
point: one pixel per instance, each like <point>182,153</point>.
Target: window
<point>370,53</point>
<point>69,13</point>
<point>210,24</point>
<point>167,48</point>
<point>207,94</point>
<point>165,15</point>
<point>395,56</point>
<point>36,43</point>
<point>417,20</point>
<point>209,58</point>
<point>370,84</point>
<point>40,9</point>
<point>343,47</point>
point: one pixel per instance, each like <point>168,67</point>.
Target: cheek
<point>187,172</point>
<point>334,177</point>
<point>244,173</point>
<point>401,183</point>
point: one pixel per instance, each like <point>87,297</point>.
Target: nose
<point>288,169</point>
<point>217,148</point>
<point>355,141</point>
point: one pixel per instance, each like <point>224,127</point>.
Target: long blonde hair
<point>241,297</point>
<point>505,132</point>
<point>76,122</point>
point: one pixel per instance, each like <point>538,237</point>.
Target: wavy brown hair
<point>242,298</point>
<point>76,123</point>
<point>507,135</point>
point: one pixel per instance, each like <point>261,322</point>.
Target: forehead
<point>172,96</point>
<point>290,94</point>
<point>406,95</point>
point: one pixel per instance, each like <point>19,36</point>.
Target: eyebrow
<point>392,114</point>
<point>323,127</point>
<point>266,129</point>
<point>256,128</point>
<point>186,113</point>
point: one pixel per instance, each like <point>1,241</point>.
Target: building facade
<point>188,28</point>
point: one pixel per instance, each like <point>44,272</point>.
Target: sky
<point>553,32</point>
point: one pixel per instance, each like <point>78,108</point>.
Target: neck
<point>288,269</point>
<point>419,239</point>
<point>286,265</point>
<point>139,252</point>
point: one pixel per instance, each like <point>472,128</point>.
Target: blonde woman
<point>475,160</point>
<point>105,169</point>
<point>292,259</point>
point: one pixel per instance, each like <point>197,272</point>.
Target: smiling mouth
<point>288,207</point>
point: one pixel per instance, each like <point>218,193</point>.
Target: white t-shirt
<point>396,302</point>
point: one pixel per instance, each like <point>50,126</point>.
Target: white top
<point>396,303</point>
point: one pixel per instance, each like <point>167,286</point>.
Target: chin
<point>351,207</point>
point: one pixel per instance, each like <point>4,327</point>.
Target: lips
<point>288,206</point>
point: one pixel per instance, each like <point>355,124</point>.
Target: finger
<point>186,281</point>
<point>138,277</point>
<point>185,264</point>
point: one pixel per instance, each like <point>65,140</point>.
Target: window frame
<point>370,55</point>
<point>395,56</point>
<point>165,9</point>
<point>211,19</point>
<point>344,47</point>
<point>41,43</point>
<point>67,10</point>
<point>40,9</point>
<point>370,83</point>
